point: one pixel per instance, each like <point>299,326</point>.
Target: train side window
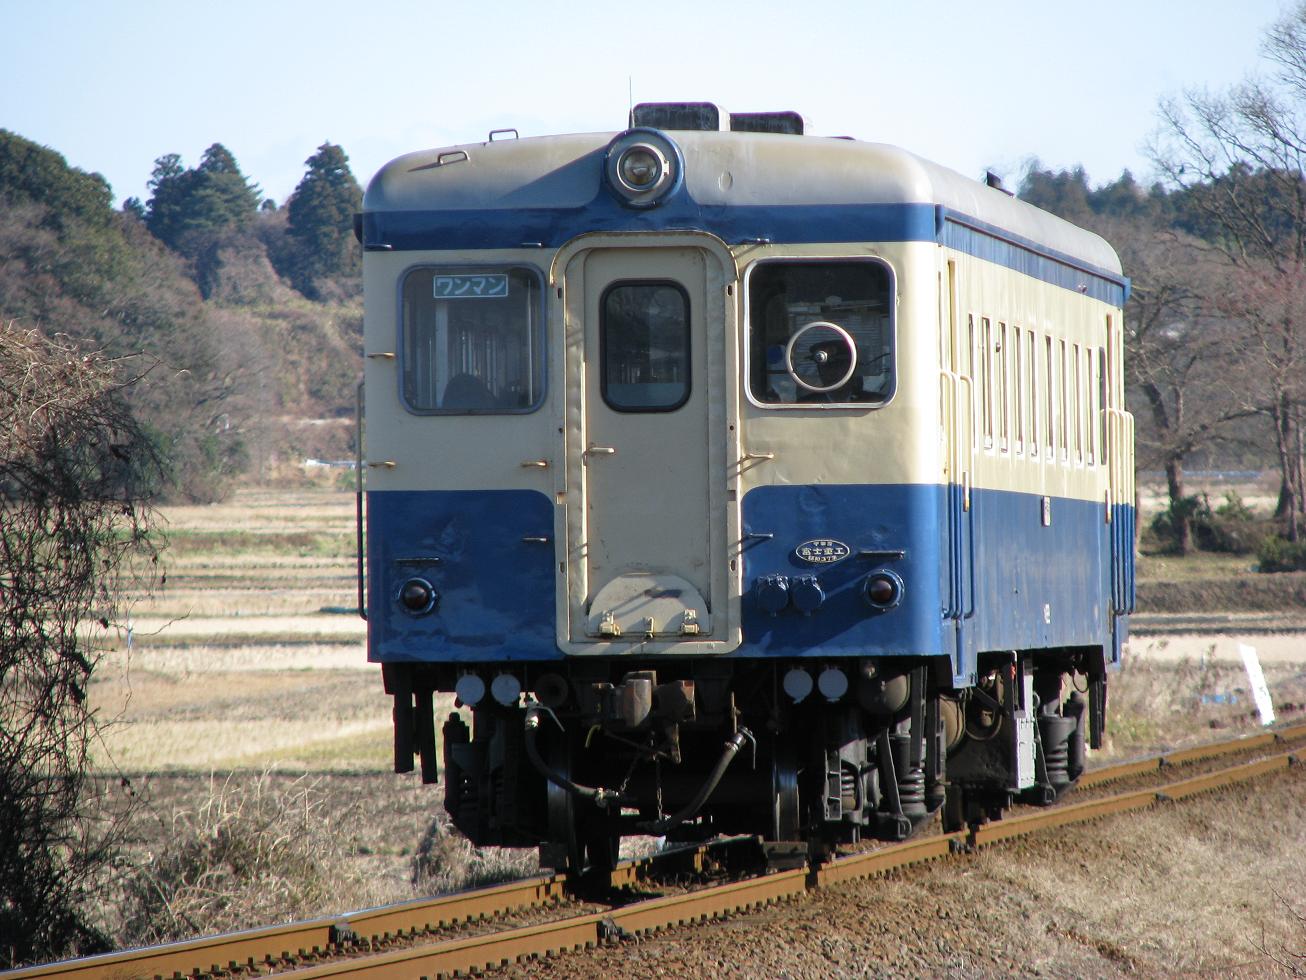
<point>820,332</point>
<point>970,369</point>
<point>1001,381</point>
<point>1077,372</point>
<point>1090,414</point>
<point>1049,401</point>
<point>1063,421</point>
<point>1103,397</point>
<point>644,346</point>
<point>472,341</point>
<point>1020,387</point>
<point>1033,395</point>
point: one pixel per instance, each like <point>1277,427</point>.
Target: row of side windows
<point>1039,396</point>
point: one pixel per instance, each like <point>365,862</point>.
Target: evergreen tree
<point>321,215</point>
<point>70,264</point>
<point>189,207</point>
<point>33,173</point>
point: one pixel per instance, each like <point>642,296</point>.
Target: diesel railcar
<point>735,479</point>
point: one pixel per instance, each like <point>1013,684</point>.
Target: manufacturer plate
<point>822,551</point>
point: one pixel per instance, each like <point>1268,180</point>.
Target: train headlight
<point>640,168</point>
<point>643,166</point>
<point>883,589</point>
<point>418,596</point>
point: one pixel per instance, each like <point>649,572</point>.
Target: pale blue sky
<point>115,84</point>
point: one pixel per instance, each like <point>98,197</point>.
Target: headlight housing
<point>643,167</point>
<point>418,596</point>
<point>883,589</point>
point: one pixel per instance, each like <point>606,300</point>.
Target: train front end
<point>660,494</point>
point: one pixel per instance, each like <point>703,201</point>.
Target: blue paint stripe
<point>1004,248</point>
<point>780,224</point>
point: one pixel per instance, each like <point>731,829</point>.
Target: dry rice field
<point>249,656</point>
<point>245,677</point>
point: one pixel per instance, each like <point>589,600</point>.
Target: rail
<point>346,941</point>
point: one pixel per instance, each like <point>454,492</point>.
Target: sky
<point>115,84</point>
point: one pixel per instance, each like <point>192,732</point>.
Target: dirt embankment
<point>1247,591</point>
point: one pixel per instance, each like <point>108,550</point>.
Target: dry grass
<point>447,862</point>
<point>250,854</point>
<point>256,683</point>
<point>178,712</point>
<point>1156,706</point>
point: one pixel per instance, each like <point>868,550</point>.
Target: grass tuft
<point>446,861</point>
<point>248,856</point>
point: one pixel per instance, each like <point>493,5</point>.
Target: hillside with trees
<point>247,315</point>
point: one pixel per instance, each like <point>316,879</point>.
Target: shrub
<point>1230,528</point>
<point>75,536</point>
<point>1278,554</point>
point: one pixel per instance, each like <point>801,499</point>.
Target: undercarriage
<point>806,756</point>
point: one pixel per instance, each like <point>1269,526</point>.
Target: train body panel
<point>690,434</point>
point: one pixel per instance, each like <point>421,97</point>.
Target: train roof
<point>723,171</point>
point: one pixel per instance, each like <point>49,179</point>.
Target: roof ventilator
<point>709,117</point>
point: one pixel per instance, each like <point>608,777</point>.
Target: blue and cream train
<point>737,480</point>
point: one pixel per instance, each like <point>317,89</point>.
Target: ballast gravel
<point>1209,887</point>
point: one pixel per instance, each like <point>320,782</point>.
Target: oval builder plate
<point>822,551</point>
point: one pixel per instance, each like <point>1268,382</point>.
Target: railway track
<point>426,938</point>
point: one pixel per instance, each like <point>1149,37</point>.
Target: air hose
<point>602,797</point>
<point>733,745</point>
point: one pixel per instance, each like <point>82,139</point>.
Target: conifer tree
<point>188,207</point>
<point>321,214</point>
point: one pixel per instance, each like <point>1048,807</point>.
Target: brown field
<point>248,668</point>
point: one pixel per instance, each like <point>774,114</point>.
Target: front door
<point>647,433</point>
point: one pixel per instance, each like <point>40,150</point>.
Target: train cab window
<point>473,341</point>
<point>644,346</point>
<point>820,332</point>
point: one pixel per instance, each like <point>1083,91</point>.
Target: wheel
<point>953,812</point>
<point>786,812</point>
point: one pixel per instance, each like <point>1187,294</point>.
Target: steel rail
<point>1199,753</point>
<point>214,954</point>
<point>463,956</point>
<point>336,935</point>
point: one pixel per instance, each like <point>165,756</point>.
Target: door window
<point>644,346</point>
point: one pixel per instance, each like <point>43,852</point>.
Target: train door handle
<point>601,451</point>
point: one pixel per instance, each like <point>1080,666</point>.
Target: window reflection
<point>645,346</point>
<point>472,341</point>
<point>821,307</point>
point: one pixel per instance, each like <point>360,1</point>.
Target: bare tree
<point>1178,360</point>
<point>74,471</point>
<point>1241,158</point>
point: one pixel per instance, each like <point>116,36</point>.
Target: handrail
<point>358,496</point>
